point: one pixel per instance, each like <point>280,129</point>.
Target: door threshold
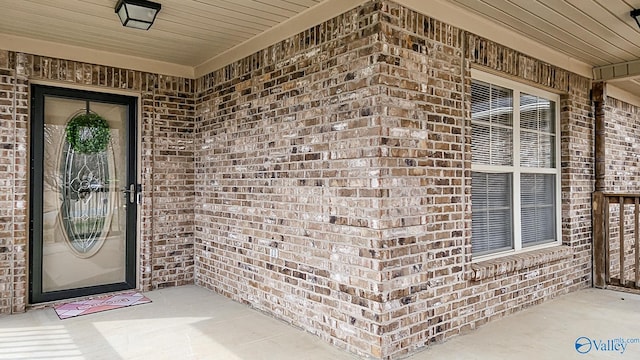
<point>53,303</point>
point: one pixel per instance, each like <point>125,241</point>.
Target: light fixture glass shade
<point>138,14</point>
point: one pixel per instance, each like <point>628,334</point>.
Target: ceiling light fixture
<point>635,13</point>
<point>137,14</point>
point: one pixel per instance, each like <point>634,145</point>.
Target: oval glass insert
<point>86,199</point>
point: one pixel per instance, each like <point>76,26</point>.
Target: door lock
<point>134,193</point>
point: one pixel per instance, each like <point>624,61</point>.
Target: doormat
<point>98,304</point>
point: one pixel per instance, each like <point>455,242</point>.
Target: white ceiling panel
<point>193,34</point>
<point>598,32</point>
<point>186,32</point>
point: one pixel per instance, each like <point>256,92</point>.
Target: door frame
<point>38,93</point>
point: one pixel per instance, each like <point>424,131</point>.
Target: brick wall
<point>424,222</point>
<point>287,161</point>
<point>166,153</point>
<point>433,289</point>
<point>622,151</point>
<point>13,188</point>
<point>622,175</point>
<point>172,181</point>
<point>351,159</point>
<point>7,140</point>
<point>325,180</point>
<point>577,135</point>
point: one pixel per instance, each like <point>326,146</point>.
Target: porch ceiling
<point>600,33</point>
<point>186,32</point>
<point>192,37</point>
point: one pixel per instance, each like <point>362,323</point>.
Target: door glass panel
<point>84,210</point>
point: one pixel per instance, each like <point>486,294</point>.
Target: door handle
<point>131,192</point>
<point>134,192</point>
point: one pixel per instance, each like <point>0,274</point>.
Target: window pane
<point>537,113</point>
<point>492,121</point>
<point>480,106</point>
<point>491,103</point>
<point>537,199</point>
<point>537,149</point>
<point>480,144</point>
<point>547,118</point>
<point>529,115</point>
<point>491,212</point>
<point>491,145</point>
<point>501,146</point>
<point>546,229</point>
<point>528,112</point>
<point>537,139</point>
<point>529,149</point>
<point>547,151</point>
<point>528,227</point>
<point>501,106</point>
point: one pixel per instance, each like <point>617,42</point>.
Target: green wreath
<point>88,133</point>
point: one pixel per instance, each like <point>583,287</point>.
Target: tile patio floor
<point>193,323</point>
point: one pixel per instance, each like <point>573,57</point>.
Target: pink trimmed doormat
<point>98,304</point>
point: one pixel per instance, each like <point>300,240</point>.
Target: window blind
<point>537,132</point>
<point>491,212</point>
<point>492,119</point>
<point>538,210</point>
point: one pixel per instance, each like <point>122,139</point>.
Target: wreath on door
<point>88,133</point>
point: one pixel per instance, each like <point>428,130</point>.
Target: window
<point>515,172</point>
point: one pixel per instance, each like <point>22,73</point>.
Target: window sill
<point>485,269</point>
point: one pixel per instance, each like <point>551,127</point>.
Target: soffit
<point>186,32</point>
<point>192,37</point>
<point>597,32</point>
<point>600,33</point>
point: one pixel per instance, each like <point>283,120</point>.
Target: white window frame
<point>516,169</point>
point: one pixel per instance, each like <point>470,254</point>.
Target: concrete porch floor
<point>193,323</point>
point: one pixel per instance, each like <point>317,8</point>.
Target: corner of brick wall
<point>287,163</point>
<point>173,183</point>
<point>430,291</point>
<point>349,157</point>
<point>426,154</point>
